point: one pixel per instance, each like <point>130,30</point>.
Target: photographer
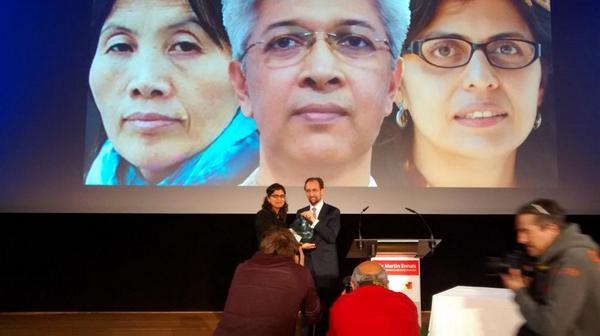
<point>563,297</point>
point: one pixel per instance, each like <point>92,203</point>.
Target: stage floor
<point>109,323</point>
<point>113,323</point>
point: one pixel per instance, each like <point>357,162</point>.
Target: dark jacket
<point>565,296</point>
<point>265,296</point>
<point>266,219</point>
<point>323,261</point>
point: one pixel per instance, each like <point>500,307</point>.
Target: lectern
<point>401,259</point>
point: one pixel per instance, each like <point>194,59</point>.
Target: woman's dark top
<point>266,219</point>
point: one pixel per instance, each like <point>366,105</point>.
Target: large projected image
<point>159,80</point>
<point>369,93</point>
<point>475,100</point>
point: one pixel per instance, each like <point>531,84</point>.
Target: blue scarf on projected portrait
<point>226,161</point>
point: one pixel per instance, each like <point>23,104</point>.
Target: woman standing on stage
<point>274,211</point>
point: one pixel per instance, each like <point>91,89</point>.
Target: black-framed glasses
<point>277,196</point>
<point>288,47</point>
<point>453,52</point>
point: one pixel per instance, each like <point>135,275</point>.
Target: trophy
<point>302,228</point>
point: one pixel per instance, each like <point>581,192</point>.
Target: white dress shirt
<point>318,207</point>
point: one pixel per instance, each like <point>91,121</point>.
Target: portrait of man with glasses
<point>318,77</point>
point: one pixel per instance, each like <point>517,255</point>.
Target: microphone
<point>360,242</point>
<point>431,239</point>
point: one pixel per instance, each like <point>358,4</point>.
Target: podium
<point>401,259</point>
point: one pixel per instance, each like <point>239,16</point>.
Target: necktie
<point>314,211</point>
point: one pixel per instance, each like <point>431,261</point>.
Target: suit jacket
<point>323,261</point>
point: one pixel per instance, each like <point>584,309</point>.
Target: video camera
<point>516,259</point>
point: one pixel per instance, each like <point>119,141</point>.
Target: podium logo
<point>400,267</point>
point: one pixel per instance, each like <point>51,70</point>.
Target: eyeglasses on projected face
<point>285,47</point>
<point>454,52</point>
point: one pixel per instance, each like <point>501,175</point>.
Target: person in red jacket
<point>371,308</point>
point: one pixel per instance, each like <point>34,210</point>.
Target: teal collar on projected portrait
<point>226,161</point>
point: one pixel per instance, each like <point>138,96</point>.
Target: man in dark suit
<point>322,260</point>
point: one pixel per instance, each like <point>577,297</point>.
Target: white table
<point>474,311</point>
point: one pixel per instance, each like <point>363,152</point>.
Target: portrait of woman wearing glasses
<point>159,81</point>
<point>471,103</point>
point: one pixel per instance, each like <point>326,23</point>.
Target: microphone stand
<point>360,239</point>
<point>431,239</point>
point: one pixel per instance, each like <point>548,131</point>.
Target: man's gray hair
<point>361,279</point>
<point>239,18</point>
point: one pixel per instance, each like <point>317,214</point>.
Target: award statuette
<point>302,228</point>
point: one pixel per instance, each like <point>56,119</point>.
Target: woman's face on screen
<point>477,110</point>
<point>160,83</point>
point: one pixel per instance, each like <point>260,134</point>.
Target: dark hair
<point>279,242</point>
<point>546,210</point>
<point>317,179</point>
<point>208,13</point>
<point>267,206</point>
<point>536,157</point>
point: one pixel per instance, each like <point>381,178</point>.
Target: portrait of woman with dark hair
<point>474,106</point>
<point>159,81</point>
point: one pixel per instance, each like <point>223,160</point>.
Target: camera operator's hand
<point>514,279</point>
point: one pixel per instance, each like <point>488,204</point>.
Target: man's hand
<point>513,279</point>
<point>308,246</point>
<point>309,215</point>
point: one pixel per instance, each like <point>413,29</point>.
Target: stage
<point>193,323</point>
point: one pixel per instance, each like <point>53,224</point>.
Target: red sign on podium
<point>400,267</point>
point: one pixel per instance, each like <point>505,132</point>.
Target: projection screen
<point>443,107</point>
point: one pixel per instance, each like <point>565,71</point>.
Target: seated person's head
<point>369,273</point>
<point>279,242</point>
